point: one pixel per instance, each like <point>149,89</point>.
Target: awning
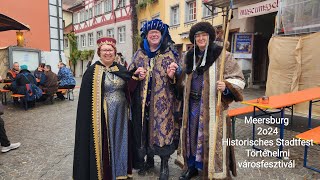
<point>184,35</point>
<point>222,3</point>
<point>7,23</point>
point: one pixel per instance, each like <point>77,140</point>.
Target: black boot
<point>164,170</point>
<point>147,166</point>
<point>191,172</point>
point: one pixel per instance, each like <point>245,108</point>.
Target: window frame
<point>66,43</point>
<point>108,6</point>
<point>83,40</point>
<point>123,34</point>
<point>90,39</point>
<point>98,37</point>
<point>188,11</point>
<point>110,30</point>
<point>177,8</point>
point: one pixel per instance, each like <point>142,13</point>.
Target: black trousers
<point>3,136</point>
<point>59,94</point>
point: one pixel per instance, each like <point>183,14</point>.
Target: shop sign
<point>261,8</point>
<point>243,45</point>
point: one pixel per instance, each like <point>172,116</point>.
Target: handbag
<point>1,109</point>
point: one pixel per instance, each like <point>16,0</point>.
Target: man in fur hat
<point>199,78</point>
<point>154,99</point>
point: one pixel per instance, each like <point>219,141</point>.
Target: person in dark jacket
<point>39,73</point>
<point>23,78</point>
<point>50,84</point>
<point>19,84</point>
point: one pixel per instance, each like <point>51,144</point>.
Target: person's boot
<point>147,166</point>
<point>164,170</point>
<point>190,173</point>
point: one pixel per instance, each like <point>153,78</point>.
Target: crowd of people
<point>25,83</point>
<point>127,115</point>
<point>42,80</point>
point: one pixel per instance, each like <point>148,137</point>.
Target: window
<point>110,33</point>
<point>122,34</point>
<point>82,16</point>
<point>77,40</point>
<point>83,40</point>
<point>98,9</point>
<point>90,15</point>
<point>66,43</point>
<point>175,15</point>
<point>86,15</point>
<point>75,18</point>
<point>108,5</point>
<point>90,39</point>
<point>121,3</point>
<point>207,11</point>
<point>99,34</point>
<point>191,11</point>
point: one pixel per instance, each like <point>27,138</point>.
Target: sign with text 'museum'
<point>261,8</point>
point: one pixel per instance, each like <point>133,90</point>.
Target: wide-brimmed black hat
<point>205,27</point>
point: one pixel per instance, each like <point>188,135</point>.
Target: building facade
<point>257,19</point>
<point>180,16</point>
<point>94,19</point>
<point>46,28</point>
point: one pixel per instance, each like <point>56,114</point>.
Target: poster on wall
<point>24,56</point>
<point>243,45</point>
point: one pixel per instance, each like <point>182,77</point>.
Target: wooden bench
<point>4,95</point>
<point>69,93</point>
<point>21,97</point>
<point>233,113</point>
<point>63,91</point>
<point>313,134</point>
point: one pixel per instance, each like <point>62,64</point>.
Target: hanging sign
<point>261,8</point>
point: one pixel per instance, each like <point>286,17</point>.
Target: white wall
<point>52,59</point>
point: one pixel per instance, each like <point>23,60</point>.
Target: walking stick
<point>218,110</point>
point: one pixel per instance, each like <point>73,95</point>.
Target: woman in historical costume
<point>102,126</point>
<point>154,99</point>
<point>200,80</point>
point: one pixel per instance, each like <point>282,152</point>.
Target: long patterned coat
<point>218,162</point>
<point>161,119</point>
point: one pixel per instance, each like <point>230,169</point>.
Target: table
<point>284,101</point>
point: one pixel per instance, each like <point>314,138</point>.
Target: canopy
<point>7,23</point>
<point>223,3</point>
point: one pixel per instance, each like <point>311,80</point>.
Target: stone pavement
<point>47,136</point>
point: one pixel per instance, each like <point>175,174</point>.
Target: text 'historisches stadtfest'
<point>263,151</point>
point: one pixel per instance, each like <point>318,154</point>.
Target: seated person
<point>11,76</point>
<point>49,85</point>
<point>12,73</point>
<point>19,84</point>
<point>66,79</point>
<point>39,72</point>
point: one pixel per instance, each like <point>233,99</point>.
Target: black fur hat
<point>202,26</point>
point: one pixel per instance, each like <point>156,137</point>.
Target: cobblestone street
<point>46,133</point>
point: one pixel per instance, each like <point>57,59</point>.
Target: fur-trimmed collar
<point>214,52</point>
